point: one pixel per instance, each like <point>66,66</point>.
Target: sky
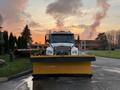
<point>84,17</point>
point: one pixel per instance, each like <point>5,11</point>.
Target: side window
<point>47,39</point>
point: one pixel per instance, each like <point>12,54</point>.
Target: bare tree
<point>118,38</point>
<point>113,37</point>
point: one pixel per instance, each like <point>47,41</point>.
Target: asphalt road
<point>106,77</point>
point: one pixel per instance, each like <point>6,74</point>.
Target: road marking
<point>110,69</point>
<point>95,66</point>
<point>116,70</point>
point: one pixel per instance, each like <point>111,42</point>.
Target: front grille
<point>62,50</point>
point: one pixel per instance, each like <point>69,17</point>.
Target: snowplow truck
<point>62,58</point>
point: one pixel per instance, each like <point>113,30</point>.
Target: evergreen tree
<point>26,36</point>
<point>6,42</point>
<point>24,42</point>
<point>19,42</point>
<point>11,41</point>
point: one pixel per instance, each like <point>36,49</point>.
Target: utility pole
<point>1,41</point>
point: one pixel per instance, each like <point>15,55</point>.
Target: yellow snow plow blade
<point>45,66</point>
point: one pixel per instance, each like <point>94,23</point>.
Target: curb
<point>3,79</point>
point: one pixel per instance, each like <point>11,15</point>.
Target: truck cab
<point>61,43</point>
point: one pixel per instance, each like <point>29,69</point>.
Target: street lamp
<point>29,48</point>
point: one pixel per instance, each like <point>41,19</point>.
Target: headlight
<point>74,51</point>
<point>49,51</point>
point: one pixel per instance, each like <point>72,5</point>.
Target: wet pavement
<point>106,77</point>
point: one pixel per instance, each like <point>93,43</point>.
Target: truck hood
<point>62,44</point>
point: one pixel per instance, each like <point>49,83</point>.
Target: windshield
<point>62,38</point>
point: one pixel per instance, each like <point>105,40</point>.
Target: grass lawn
<point>17,66</point>
<point>110,54</point>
